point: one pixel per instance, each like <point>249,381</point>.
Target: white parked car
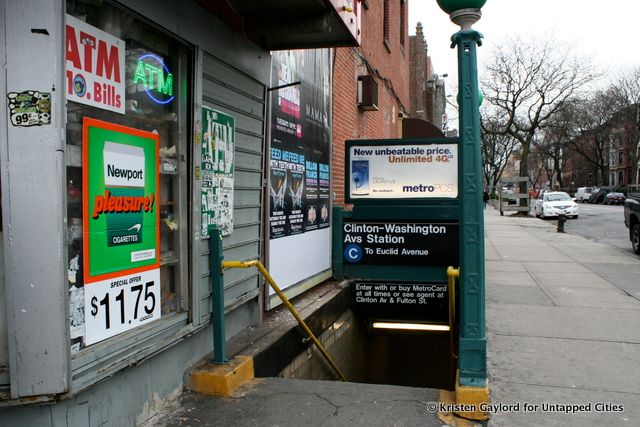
<point>554,203</point>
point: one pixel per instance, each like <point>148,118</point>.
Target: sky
<point>606,31</point>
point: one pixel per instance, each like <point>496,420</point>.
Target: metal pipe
<point>285,301</point>
<point>452,274</point>
<point>216,259</point>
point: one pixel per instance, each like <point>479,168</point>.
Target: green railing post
<point>337,246</point>
<point>217,297</point>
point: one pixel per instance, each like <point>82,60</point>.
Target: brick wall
<point>388,62</point>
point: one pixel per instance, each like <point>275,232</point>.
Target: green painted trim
<point>337,247</point>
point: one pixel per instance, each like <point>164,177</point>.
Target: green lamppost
<point>472,361</point>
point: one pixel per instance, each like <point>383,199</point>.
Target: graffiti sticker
<point>29,108</point>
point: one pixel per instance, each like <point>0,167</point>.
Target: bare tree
<point>537,167</point>
<point>496,149</point>
<point>526,82</point>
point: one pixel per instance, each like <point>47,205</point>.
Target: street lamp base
<point>465,18</point>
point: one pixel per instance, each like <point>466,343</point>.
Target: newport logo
<point>124,173</point>
<point>124,165</point>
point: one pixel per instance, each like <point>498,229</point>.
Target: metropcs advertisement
<point>403,171</point>
<point>121,233</point>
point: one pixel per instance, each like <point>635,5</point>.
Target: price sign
<point>24,119</point>
<point>116,305</point>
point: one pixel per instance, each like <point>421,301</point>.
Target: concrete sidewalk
<point>563,325</point>
<point>563,328</point>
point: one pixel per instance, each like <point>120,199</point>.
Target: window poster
<point>95,62</point>
<point>218,145</point>
<point>121,260</point>
<point>299,165</point>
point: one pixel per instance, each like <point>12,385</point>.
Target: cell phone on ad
<point>359,177</point>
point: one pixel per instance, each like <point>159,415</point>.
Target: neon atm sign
<point>155,77</point>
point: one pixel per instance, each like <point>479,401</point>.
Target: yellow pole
<point>452,273</point>
<point>285,301</point>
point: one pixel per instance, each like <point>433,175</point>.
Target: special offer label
<point>403,171</point>
<point>116,305</point>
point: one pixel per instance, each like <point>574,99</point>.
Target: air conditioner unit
<point>367,93</point>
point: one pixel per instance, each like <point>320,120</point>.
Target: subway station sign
<point>400,243</point>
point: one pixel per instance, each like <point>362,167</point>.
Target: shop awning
<point>292,24</point>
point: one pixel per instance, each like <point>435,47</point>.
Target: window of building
<point>402,21</point>
<point>385,25</point>
<point>130,84</point>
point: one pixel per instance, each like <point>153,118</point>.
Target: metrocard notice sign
<point>414,171</point>
<point>121,233</point>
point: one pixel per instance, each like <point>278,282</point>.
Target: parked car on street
<point>582,194</point>
<point>632,220</point>
<point>554,203</point>
<point>613,199</point>
<point>598,196</point>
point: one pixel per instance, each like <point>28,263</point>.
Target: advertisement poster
<point>403,171</point>
<point>95,63</point>
<point>121,233</point>
<point>299,184</point>
<point>299,165</point>
<point>218,150</point>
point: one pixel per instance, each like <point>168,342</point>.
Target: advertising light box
<point>413,171</point>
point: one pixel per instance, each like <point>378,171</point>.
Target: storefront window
<point>128,83</point>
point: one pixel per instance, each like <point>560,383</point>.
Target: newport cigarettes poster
<point>121,260</point>
<point>94,66</point>
<point>403,171</point>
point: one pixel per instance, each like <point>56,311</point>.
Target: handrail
<point>285,301</point>
<point>452,273</point>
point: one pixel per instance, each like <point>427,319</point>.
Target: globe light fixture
<point>464,13</point>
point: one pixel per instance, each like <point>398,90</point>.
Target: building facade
<point>382,62</point>
<point>427,89</point>
<point>607,155</point>
<point>130,128</point>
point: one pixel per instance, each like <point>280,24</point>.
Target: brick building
<point>612,149</point>
<point>420,68</point>
<point>427,90</point>
<point>382,62</point>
